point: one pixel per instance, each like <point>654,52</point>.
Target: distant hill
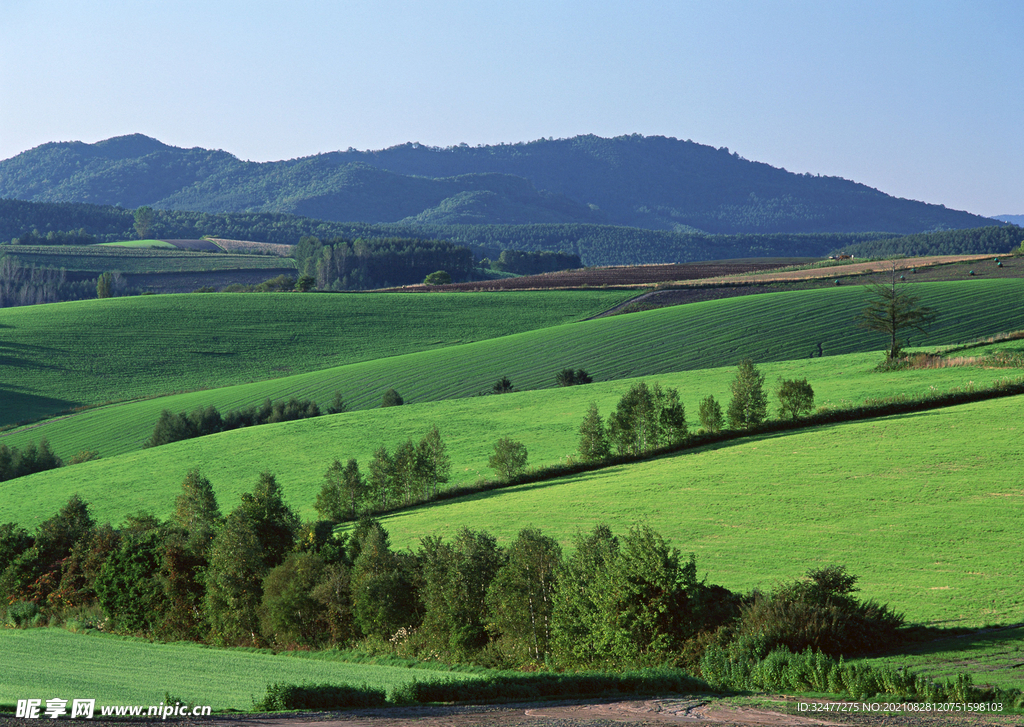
<point>1014,219</point>
<point>655,183</point>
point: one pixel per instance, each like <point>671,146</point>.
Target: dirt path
<point>657,712</point>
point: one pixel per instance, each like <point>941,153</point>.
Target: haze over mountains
<point>655,183</point>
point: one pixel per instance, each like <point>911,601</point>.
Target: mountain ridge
<point>657,183</point>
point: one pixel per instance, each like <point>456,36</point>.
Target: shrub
<point>391,398</point>
<point>439,277</point>
<point>280,697</point>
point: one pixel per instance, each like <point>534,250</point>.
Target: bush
<point>439,277</point>
<point>22,614</point>
<point>391,398</point>
<point>280,697</point>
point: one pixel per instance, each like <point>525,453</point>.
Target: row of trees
<point>174,427</point>
<point>412,473</point>
<point>648,417</point>
<point>15,462</point>
<point>260,577</point>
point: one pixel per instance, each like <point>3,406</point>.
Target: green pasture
<point>139,259</point>
<point>147,244</point>
<point>927,508</point>
<point>546,421</point>
<point>64,355</point>
<point>201,344</point>
<point>48,663</point>
<point>993,657</point>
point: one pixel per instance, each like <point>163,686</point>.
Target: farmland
<point>88,352</point>
<point>922,507</point>
<point>139,260</point>
<point>215,331</point>
<point>545,421</point>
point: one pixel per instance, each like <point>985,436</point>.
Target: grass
<point>64,355</point>
<point>138,260</point>
<point>48,663</point>
<point>926,508</point>
<point>546,421</point>
<point>223,351</point>
<point>146,244</point>
<point>993,657</point>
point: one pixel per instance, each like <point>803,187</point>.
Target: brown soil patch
<point>876,266</point>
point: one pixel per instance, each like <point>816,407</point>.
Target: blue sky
<point>923,100</point>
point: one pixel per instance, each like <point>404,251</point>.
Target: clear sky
<point>921,99</point>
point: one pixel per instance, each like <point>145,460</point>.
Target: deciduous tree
<point>749,404</point>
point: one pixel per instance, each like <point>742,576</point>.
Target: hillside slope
<point>649,182</point>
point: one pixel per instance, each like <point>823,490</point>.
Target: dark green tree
<point>503,386</point>
<point>433,465</point>
<point>144,217</point>
<point>234,581</point>
<point>455,577</point>
<point>521,597</point>
<point>391,398</point>
<point>749,404</point>
<point>593,445</point>
<point>104,285</point>
<point>509,458</point>
<point>338,405</point>
<point>578,615</point>
<point>290,613</point>
<point>275,522</point>
<point>196,511</point>
<point>795,398</point>
<point>710,414</point>
<point>384,597</point>
<point>647,418</point>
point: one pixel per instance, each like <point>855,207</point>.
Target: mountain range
<point>655,183</point>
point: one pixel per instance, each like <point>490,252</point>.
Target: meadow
<point>64,355</point>
<point>923,506</point>
<point>48,663</point>
<point>199,345</point>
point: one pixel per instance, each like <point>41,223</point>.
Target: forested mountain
<point>655,183</point>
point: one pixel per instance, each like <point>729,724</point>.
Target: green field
<point>48,663</point>
<point>926,508</point>
<point>200,344</point>
<point>146,244</point>
<point>64,355</point>
<point>138,260</point>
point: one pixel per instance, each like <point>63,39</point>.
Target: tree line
<point>259,576</point>
<point>175,427</point>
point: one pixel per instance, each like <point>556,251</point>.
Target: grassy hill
<point>547,421</point>
<point>66,355</point>
<point>199,343</point>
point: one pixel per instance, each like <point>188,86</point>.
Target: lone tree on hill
<point>894,308</point>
